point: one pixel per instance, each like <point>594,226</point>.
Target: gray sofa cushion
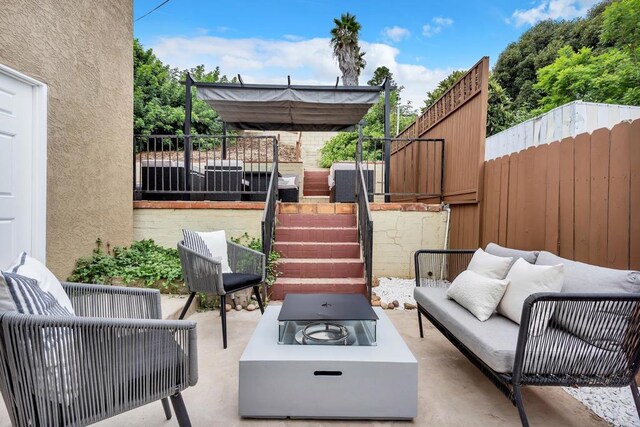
<point>495,249</point>
<point>581,277</point>
<point>494,341</point>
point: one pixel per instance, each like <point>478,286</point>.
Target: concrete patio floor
<point>451,391</point>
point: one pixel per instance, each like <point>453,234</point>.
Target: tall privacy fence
<point>578,197</point>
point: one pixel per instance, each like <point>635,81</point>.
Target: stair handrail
<point>365,225</point>
<point>269,212</point>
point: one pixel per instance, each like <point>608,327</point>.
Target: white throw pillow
<point>31,267</point>
<point>526,279</point>
<point>477,293</point>
<point>216,242</point>
<point>489,265</point>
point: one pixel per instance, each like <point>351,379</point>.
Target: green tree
<point>611,77</point>
<point>517,66</point>
<point>158,96</point>
<point>381,74</point>
<point>621,25</point>
<point>344,41</point>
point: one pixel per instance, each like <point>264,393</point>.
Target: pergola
<point>265,107</point>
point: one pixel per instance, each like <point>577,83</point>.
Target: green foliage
<point>256,244</point>
<point>516,67</point>
<point>621,25</point>
<point>380,75</point>
<point>158,98</point>
<point>143,262</point>
<point>611,77</point>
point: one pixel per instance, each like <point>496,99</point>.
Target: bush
<point>144,262</point>
<point>343,147</point>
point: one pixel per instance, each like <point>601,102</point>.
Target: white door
<point>19,177</point>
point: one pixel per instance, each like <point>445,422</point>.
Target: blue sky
<point>421,42</point>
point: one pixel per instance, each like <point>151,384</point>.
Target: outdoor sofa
<point>342,182</point>
<point>592,337</point>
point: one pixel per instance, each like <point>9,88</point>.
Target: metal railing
<point>269,212</point>
<point>203,167</point>
<point>365,226</point>
<point>415,167</point>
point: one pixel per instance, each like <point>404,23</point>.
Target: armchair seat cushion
<point>236,281</point>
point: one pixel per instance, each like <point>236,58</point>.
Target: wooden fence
<point>459,117</point>
<point>578,198</point>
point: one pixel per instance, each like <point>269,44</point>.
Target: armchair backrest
<point>200,273</point>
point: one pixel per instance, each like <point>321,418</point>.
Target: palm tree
<point>344,41</point>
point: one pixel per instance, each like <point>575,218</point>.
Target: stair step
<point>283,286</point>
<point>316,234</point>
<point>316,220</point>
<point>321,208</point>
<point>327,268</point>
<point>308,192</point>
<point>318,249</point>
<point>314,199</point>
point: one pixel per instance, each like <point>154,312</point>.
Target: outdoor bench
<point>592,338</point>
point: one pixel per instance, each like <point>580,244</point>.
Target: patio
<point>447,383</point>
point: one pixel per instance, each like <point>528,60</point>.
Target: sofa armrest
<point>439,267</point>
<point>89,300</point>
<point>591,338</point>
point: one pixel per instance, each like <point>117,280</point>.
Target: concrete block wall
<point>397,235</point>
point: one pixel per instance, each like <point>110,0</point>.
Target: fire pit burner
<point>326,333</point>
<point>327,319</point>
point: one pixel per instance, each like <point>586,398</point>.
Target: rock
<point>375,297</point>
<point>375,282</point>
<point>238,307</point>
<point>409,306</point>
<point>227,307</point>
<point>375,303</point>
<point>391,306</point>
<point>396,303</point>
<point>251,307</point>
<point>384,305</point>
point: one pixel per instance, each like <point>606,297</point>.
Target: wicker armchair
<point>204,274</point>
<point>113,356</point>
<point>610,358</point>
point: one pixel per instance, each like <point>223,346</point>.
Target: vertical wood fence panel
<point>579,198</point>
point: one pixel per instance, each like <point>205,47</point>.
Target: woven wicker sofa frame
<point>529,357</point>
<point>119,356</point>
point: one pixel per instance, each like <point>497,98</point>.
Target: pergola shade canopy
<point>289,108</point>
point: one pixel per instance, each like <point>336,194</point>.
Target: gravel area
<point>391,289</point>
<point>614,405</point>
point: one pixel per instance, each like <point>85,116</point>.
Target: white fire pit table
<point>343,381</point>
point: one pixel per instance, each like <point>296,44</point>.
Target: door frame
<point>39,165</point>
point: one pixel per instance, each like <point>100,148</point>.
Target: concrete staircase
<point>316,182</point>
<point>319,252</point>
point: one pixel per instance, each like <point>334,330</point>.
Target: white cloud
<point>437,24</point>
<point>308,61</point>
<point>292,37</point>
<point>395,33</point>
<point>551,9</point>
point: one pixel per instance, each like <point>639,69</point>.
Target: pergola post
<point>387,140</point>
<point>188,145</point>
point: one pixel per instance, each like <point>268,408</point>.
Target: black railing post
<point>442,172</point>
<point>224,141</point>
<point>387,140</point>
<point>187,132</point>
